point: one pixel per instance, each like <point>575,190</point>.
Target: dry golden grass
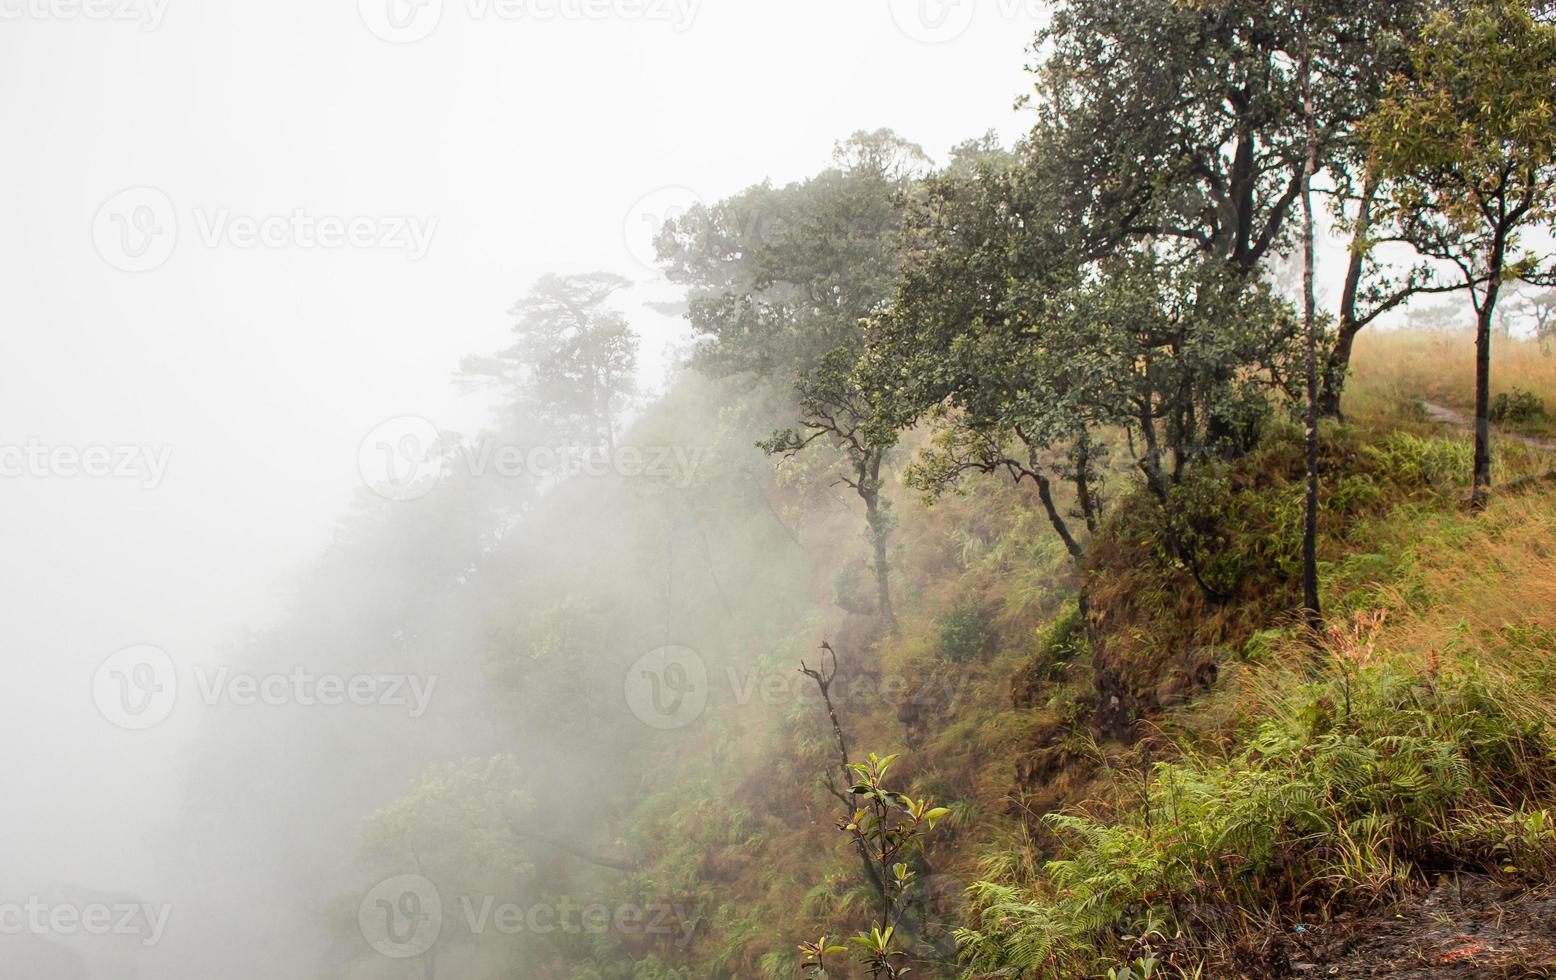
<point>1396,370</point>
<point>1491,596</point>
<point>1476,591</point>
<point>1397,365</point>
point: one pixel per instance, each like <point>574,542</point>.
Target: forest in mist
<point>1114,540</point>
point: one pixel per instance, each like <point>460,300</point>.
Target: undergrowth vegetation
<point>1360,783</point>
<point>1320,774</point>
<point>1276,779</point>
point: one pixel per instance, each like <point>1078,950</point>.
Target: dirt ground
<point>1467,926</point>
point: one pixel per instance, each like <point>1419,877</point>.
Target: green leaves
<point>1470,133</point>
<point>888,826</point>
<point>779,278</point>
<point>816,954</point>
<point>1469,142</point>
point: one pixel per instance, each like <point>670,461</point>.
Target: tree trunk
<point>1083,482</point>
<point>1310,600</point>
<point>1336,368</point>
<point>1486,319</point>
<point>1483,390</point>
<point>823,681</point>
<point>880,529</point>
<point>878,535</point>
<point>1338,365</point>
<point>1045,493</point>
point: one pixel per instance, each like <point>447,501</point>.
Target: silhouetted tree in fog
<point>574,365</point>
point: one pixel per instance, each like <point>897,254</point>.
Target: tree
<point>551,662</point>
<point>458,828</point>
<point>1029,358</point>
<point>1534,307</point>
<point>1184,121</point>
<point>1470,140</point>
<point>960,346</point>
<point>1372,288</point>
<point>778,283</point>
<point>574,365</point>
<point>836,408</point>
<point>894,828</point>
<point>1382,38</point>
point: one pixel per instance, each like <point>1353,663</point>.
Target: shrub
<point>1518,407</point>
<point>1061,642</point>
<point>965,633</point>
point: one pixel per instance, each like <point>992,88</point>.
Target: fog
<point>239,238</point>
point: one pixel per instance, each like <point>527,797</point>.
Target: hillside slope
<point>1264,791</point>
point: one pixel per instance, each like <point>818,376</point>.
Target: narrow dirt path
<point>1447,416</point>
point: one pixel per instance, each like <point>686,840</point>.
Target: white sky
<point>530,142</point>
